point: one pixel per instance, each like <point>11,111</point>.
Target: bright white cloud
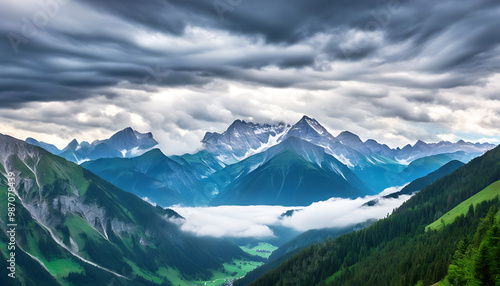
<point>256,221</point>
<point>341,213</point>
<point>231,221</point>
<point>146,199</point>
<point>391,190</point>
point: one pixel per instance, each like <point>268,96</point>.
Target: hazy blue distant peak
<point>126,143</point>
<point>72,146</point>
<point>49,147</point>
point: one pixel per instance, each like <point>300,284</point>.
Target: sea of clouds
<point>257,221</point>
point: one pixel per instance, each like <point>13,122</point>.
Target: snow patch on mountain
<point>81,161</point>
<point>404,161</point>
<point>338,171</point>
<point>273,140</point>
<point>315,125</point>
<point>343,159</point>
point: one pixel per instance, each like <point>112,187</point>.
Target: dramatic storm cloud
<point>392,70</point>
<point>256,221</point>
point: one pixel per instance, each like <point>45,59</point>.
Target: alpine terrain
<point>74,228</point>
<point>277,165</point>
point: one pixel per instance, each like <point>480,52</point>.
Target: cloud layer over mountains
<point>392,70</point>
<point>256,221</point>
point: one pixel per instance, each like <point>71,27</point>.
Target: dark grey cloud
<point>88,46</point>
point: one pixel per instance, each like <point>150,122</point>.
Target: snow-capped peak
<point>314,124</point>
<point>310,122</point>
<point>309,129</point>
<point>242,139</point>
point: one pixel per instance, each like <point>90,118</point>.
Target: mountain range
<point>124,144</point>
<point>269,164</point>
<point>74,227</point>
<point>375,164</point>
<point>244,139</point>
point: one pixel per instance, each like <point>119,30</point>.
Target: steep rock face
<point>128,139</point>
<point>201,179</point>
<point>242,139</point>
<point>311,130</point>
<point>96,226</point>
<point>72,146</point>
<point>233,158</point>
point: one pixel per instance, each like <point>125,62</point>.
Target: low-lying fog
<point>256,221</point>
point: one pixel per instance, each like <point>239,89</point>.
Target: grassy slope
<point>488,193</point>
<point>34,239</point>
<point>265,249</point>
<point>236,269</point>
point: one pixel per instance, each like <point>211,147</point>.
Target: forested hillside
<point>477,260</point>
<point>397,250</point>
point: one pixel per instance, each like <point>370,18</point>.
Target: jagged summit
<point>128,139</point>
<point>125,143</point>
<point>242,139</point>
<point>308,122</point>
<point>72,146</point>
<point>310,129</point>
<point>420,143</point>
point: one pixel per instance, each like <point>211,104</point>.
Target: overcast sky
<point>395,71</point>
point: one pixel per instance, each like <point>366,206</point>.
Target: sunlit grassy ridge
<point>262,249</point>
<point>487,194</point>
